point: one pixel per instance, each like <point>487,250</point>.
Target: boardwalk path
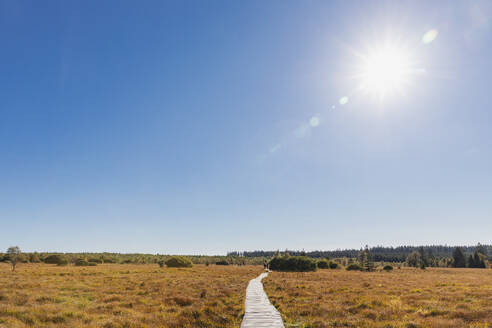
<point>258,310</point>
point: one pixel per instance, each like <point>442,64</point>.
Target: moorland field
<point>145,295</point>
<point>116,295</point>
<point>407,297</point>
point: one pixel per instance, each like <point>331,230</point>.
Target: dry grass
<point>402,298</point>
<point>111,295</point>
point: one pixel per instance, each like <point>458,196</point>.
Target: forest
<point>379,253</point>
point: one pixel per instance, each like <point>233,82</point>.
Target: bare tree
<point>14,256</point>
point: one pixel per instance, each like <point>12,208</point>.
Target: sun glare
<point>385,71</point>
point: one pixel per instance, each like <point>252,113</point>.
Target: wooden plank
<point>259,312</point>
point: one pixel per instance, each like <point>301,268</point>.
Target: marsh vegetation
<point>407,297</point>
<point>123,295</point>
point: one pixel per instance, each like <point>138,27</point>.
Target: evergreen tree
<point>423,257</point>
<point>481,249</point>
<point>413,259</point>
<point>366,260</point>
<point>479,260</point>
<point>361,256</point>
<point>459,260</point>
<point>431,259</point>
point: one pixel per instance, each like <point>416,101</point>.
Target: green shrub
<point>179,262</point>
<point>63,261</point>
<point>161,263</point>
<point>56,259</point>
<point>388,267</point>
<point>109,260</point>
<point>354,267</point>
<point>323,264</point>
<point>293,263</point>
<point>83,262</point>
<point>222,262</point>
<point>95,260</point>
<point>334,265</point>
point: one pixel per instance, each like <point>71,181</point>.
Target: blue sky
<point>209,126</point>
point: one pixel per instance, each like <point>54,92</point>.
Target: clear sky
<point>210,126</point>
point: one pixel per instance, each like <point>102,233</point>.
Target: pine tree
<point>459,260</point>
<point>423,258</point>
<point>361,257</point>
<point>413,259</point>
<point>365,259</point>
<point>479,261</point>
<point>431,259</point>
<point>481,249</point>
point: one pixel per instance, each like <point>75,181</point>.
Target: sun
<point>386,71</point>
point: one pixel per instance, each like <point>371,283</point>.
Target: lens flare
<point>314,121</point>
<point>429,36</point>
<point>343,100</point>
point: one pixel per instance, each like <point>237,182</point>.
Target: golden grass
<point>112,295</point>
<point>402,298</point>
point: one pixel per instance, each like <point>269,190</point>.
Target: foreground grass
<point>112,295</point>
<point>402,298</point>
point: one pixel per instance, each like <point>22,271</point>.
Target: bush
<point>62,262</point>
<point>323,264</point>
<point>84,262</point>
<point>161,263</point>
<point>56,259</point>
<point>334,265</point>
<point>95,260</point>
<point>293,263</point>
<point>222,262</point>
<point>34,258</point>
<point>109,260</point>
<point>387,268</point>
<point>179,262</point>
<point>354,267</point>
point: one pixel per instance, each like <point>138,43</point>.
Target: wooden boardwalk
<point>259,312</point>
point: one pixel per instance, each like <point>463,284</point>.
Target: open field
<point>402,298</point>
<point>113,295</point>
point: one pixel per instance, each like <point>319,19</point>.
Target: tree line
<point>14,256</point>
<point>379,253</point>
<point>422,256</point>
<point>364,261</point>
<point>459,258</point>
